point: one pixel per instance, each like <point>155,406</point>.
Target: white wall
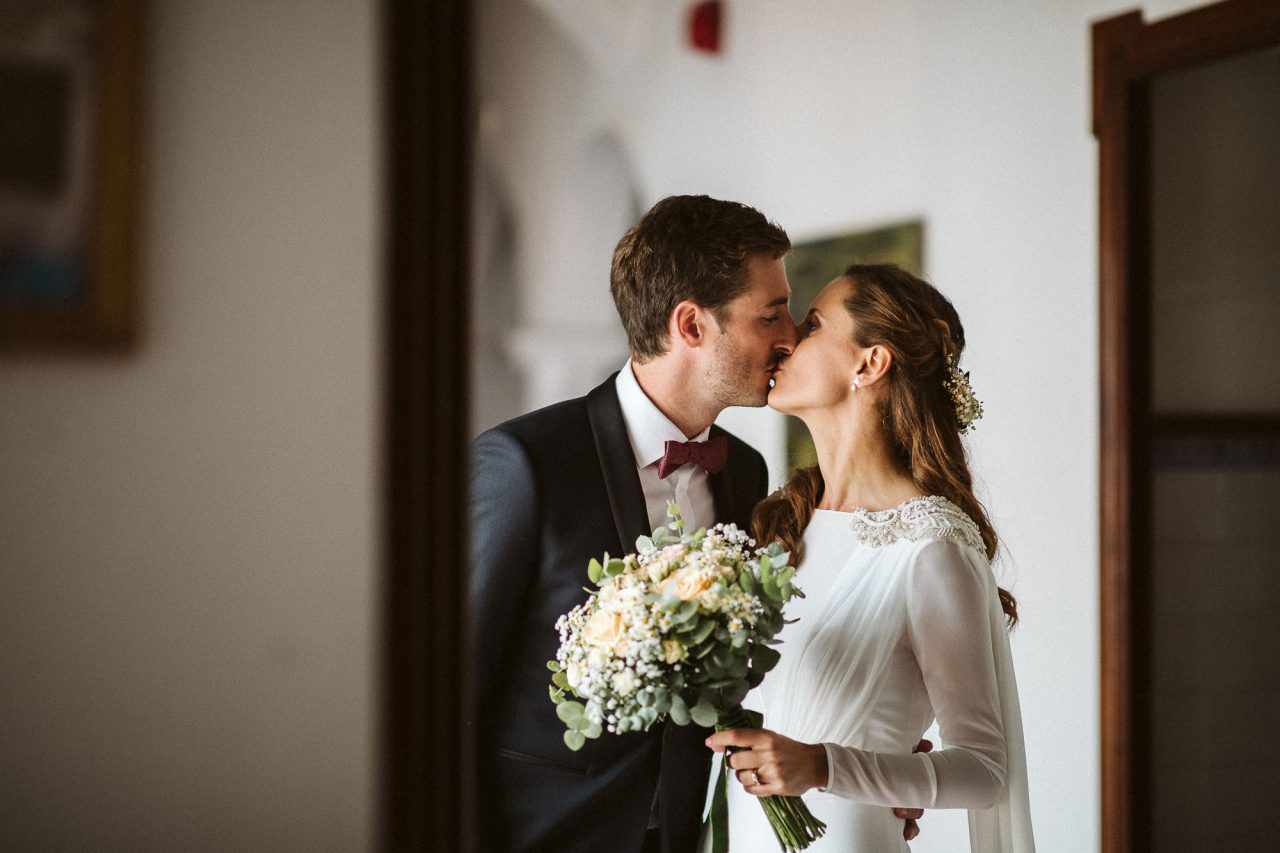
<point>188,533</point>
<point>831,116</point>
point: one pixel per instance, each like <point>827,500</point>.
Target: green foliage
<point>704,713</point>
<point>570,712</point>
<point>764,658</point>
<point>679,711</point>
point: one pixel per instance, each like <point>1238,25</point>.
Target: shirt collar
<point>647,427</point>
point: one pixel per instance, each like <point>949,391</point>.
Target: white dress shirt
<point>649,430</point>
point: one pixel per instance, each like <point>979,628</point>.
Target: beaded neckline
<point>932,517</point>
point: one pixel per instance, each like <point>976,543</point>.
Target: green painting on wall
<point>811,266</point>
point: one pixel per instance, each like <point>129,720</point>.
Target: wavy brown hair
<point>686,247</point>
<point>921,329</point>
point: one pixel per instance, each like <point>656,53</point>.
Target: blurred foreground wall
<point>187,532</point>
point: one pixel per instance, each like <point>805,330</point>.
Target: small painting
<point>67,177</point>
<point>811,266</point>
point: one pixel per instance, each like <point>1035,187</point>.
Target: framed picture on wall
<point>68,172</point>
<point>811,266</point>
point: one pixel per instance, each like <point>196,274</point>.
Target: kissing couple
<point>902,621</point>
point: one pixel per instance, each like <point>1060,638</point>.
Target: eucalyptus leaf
<point>704,630</point>
<point>554,666</point>
<point>771,589</point>
<point>704,713</point>
<point>679,711</point>
<point>595,571</point>
<point>614,567</point>
<point>557,696</point>
<point>569,711</point>
<point>574,740</point>
<point>559,679</point>
<point>747,581</point>
<point>644,543</point>
<point>764,658</point>
<point>733,695</point>
<point>593,731</point>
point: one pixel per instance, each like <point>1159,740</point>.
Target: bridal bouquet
<point>682,628</point>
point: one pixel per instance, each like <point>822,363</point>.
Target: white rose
<point>624,683</point>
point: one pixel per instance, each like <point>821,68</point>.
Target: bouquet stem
<point>793,824</point>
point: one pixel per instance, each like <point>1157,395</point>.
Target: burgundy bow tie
<point>709,455</point>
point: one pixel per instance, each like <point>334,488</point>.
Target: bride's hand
<point>768,764</point>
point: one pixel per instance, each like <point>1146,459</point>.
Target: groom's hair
<point>686,247</point>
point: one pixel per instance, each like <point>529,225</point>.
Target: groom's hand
<point>911,829</point>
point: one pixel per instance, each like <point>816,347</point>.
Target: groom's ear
<point>688,324</point>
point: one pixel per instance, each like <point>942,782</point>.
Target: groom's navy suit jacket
<point>549,491</point>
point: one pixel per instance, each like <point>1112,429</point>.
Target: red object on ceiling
<point>704,26</point>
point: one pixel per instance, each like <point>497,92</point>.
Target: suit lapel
<point>721,486</point>
<point>618,462</point>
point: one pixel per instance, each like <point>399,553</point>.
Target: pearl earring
<point>855,385</point>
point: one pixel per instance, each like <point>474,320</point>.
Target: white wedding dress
<point>900,623</point>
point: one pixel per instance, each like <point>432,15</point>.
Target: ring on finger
<point>755,777</point>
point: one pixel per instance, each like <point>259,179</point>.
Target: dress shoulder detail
<point>932,517</point>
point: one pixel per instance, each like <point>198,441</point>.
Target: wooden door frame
<point>424,760</point>
<point>1127,54</point>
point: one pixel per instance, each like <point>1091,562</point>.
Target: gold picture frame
<point>69,165</point>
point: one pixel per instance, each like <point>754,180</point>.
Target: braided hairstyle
<point>921,329</point>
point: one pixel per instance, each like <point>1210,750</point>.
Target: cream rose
<point>687,584</point>
<point>605,629</point>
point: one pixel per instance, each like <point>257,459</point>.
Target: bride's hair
<point>921,329</point>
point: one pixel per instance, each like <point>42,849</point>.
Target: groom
<point>700,287</point>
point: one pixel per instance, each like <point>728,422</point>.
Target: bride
<point>902,620</point>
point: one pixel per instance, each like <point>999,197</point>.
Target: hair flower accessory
<point>968,407</point>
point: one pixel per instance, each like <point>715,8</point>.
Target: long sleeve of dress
<point>950,596</point>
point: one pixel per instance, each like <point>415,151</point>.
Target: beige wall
<point>188,533</point>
